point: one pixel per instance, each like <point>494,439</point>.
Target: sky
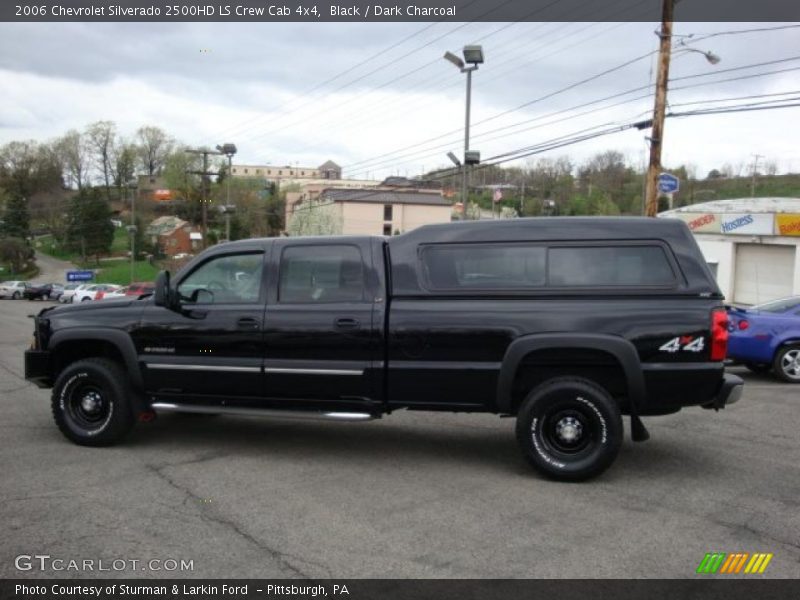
<point>378,99</point>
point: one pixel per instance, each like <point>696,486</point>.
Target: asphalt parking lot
<point>411,495</point>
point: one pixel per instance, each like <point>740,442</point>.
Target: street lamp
<point>709,56</point>
<point>228,150</point>
<point>473,56</point>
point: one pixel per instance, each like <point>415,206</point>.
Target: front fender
<point>120,340</point>
<point>621,349</point>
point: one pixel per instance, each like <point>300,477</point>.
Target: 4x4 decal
<point>687,343</point>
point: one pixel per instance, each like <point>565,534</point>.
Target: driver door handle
<point>247,323</point>
<point>347,323</point>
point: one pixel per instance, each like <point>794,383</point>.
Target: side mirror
<point>161,294</point>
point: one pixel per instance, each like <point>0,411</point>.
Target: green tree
<point>16,253</point>
<point>89,227</point>
<point>16,218</point>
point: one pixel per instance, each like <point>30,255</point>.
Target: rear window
<point>528,266</point>
<point>318,274</point>
<point>609,266</point>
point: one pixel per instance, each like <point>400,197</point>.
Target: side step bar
<point>265,412</point>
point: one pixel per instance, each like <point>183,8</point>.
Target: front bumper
<point>37,368</point>
<point>730,392</point>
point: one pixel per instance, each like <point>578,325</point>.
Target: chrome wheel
<point>790,364</point>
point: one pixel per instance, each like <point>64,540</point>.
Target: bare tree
<point>153,148</point>
<point>74,152</point>
<point>101,136</point>
<point>771,167</point>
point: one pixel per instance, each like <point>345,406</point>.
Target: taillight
<point>743,324</point>
<point>719,334</point>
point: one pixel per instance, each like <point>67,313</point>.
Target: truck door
<point>319,339</point>
<point>211,345</point>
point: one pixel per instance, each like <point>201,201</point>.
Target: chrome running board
<point>264,412</point>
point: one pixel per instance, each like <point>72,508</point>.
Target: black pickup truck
<point>564,323</point>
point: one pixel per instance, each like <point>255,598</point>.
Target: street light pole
<point>474,56</point>
<point>228,150</point>
<point>465,167</point>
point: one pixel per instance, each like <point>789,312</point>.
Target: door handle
<point>247,323</point>
<point>347,323</point>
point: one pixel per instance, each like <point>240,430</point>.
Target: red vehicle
<point>140,289</point>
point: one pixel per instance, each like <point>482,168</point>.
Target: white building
<point>751,244</point>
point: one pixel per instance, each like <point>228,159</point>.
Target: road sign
<point>80,275</point>
<point>668,183</point>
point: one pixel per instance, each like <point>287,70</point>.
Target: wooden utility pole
<point>205,174</point>
<point>657,135</point>
<point>755,170</point>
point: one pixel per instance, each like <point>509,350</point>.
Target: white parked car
<point>115,294</point>
<point>69,292</point>
<point>93,292</point>
<point>13,289</point>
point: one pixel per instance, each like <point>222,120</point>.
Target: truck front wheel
<point>569,428</point>
<point>91,404</point>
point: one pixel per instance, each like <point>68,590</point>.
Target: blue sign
<point>668,183</point>
<point>80,275</point>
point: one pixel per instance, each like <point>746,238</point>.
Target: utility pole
<point>659,110</point>
<point>205,174</point>
<point>755,170</point>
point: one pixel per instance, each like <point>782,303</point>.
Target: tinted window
<point>331,273</point>
<point>483,266</point>
<point>779,306</point>
<point>232,278</point>
<point>609,266</point>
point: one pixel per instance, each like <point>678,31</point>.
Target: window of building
<point>246,171</point>
<point>387,212</point>
<point>316,274</point>
<point>227,279</point>
<point>258,171</point>
<point>280,172</point>
<point>387,229</point>
<point>303,173</point>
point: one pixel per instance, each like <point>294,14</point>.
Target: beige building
<point>378,211</point>
<point>328,170</point>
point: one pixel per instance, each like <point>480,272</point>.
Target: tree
<point>101,137</point>
<point>16,253</point>
<point>74,151</point>
<point>16,219</point>
<point>315,218</point>
<point>89,227</point>
<point>154,146</point>
<point>29,167</point>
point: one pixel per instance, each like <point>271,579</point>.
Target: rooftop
<point>384,196</point>
<point>741,205</point>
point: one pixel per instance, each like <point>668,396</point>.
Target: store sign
<point>700,222</point>
<point>747,224</point>
<point>787,224</point>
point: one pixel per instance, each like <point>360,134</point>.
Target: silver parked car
<point>13,289</point>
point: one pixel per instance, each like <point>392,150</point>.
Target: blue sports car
<point>767,337</point>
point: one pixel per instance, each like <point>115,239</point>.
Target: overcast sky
<point>354,92</point>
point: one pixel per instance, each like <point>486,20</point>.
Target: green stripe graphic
<point>711,562</point>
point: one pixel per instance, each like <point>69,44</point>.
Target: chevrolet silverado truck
<point>566,324</point>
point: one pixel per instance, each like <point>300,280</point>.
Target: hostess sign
<point>747,224</point>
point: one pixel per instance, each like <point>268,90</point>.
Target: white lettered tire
<point>91,403</point>
<point>569,428</point>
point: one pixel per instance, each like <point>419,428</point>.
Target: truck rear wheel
<point>90,402</point>
<point>570,429</point>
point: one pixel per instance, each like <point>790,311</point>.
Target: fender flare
<point>620,348</point>
<point>121,341</point>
